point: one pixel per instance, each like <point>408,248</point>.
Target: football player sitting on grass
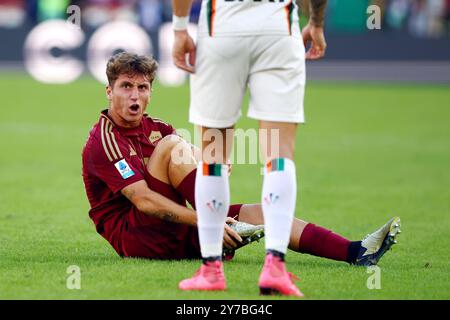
<point>137,190</point>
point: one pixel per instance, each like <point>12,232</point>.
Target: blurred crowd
<point>420,18</point>
<point>149,13</point>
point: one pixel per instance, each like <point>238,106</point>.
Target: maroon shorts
<point>153,238</point>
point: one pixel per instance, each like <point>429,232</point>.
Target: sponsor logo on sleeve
<point>124,169</point>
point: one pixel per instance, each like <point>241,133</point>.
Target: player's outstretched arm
<point>183,47</point>
<point>313,31</point>
<point>155,204</point>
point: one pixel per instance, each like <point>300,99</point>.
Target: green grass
<point>368,152</point>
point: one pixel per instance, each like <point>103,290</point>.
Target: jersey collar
<point>124,131</point>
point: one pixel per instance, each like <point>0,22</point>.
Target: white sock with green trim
<point>212,199</point>
<point>279,195</point>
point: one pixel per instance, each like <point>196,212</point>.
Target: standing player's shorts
<point>272,66</point>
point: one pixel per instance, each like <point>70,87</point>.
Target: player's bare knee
<point>166,145</point>
<point>161,155</point>
<point>169,140</point>
<point>182,154</point>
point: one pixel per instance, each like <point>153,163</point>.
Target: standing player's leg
<point>279,195</point>
<point>212,199</point>
<point>217,89</point>
<point>276,83</point>
<point>212,190</point>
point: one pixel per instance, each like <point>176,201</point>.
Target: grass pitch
<point>367,152</point>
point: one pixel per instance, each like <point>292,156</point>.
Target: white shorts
<point>273,67</point>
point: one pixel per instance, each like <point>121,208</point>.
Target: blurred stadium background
<point>413,43</point>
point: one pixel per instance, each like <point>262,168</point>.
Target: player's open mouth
<point>134,108</point>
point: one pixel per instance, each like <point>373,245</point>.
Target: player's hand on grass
<point>230,237</point>
<point>183,52</point>
<point>314,35</point>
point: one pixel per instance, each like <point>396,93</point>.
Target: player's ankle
<point>353,251</point>
<point>211,259</point>
<point>276,253</point>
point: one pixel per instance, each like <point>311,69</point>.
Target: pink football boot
<point>209,277</point>
<point>274,278</point>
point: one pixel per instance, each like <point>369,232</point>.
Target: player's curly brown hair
<point>130,63</point>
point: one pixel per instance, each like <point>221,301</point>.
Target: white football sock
<point>212,199</point>
<point>278,202</point>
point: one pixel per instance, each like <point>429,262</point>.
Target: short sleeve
<point>113,165</point>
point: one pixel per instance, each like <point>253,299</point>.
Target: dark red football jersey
<point>113,158</point>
